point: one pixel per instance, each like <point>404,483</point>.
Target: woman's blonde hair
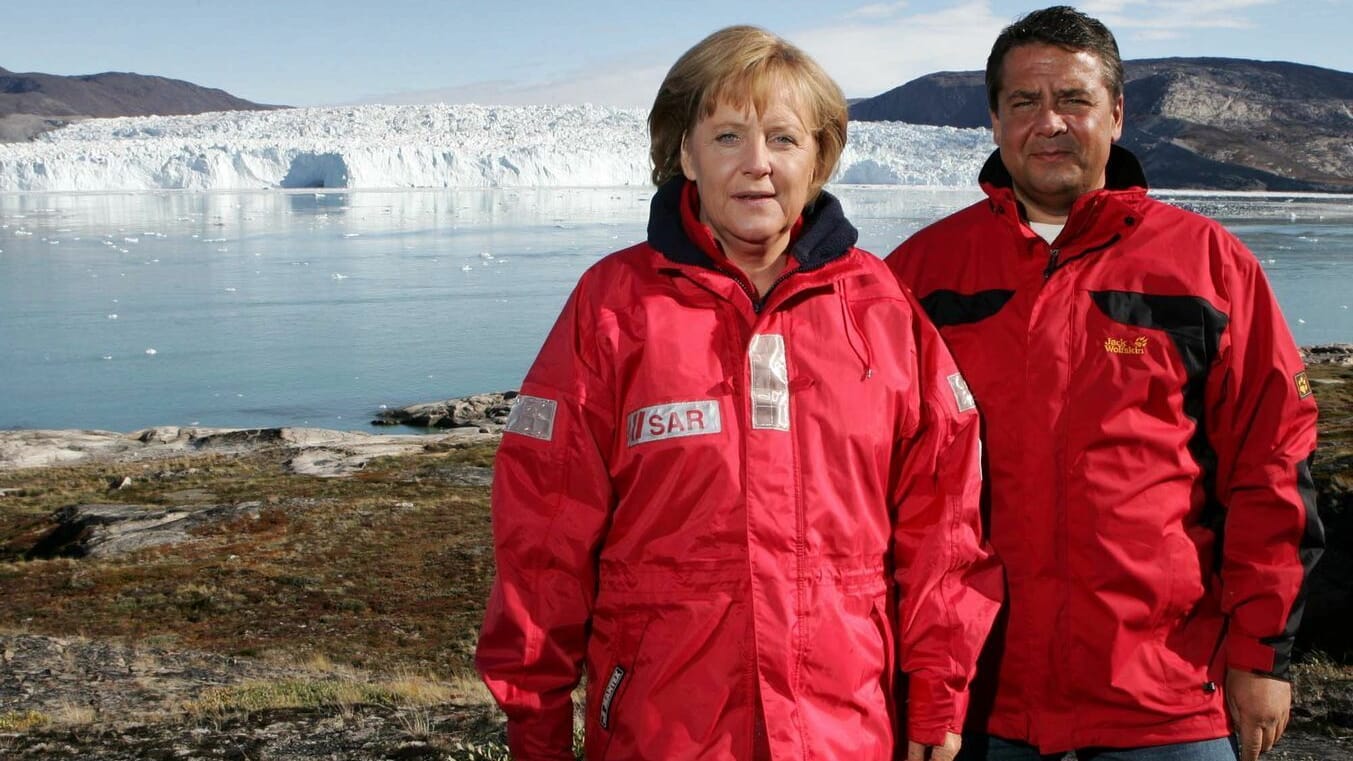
<point>741,66</point>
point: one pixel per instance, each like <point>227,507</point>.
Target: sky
<point>604,52</point>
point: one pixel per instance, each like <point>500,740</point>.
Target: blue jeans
<point>979,747</point>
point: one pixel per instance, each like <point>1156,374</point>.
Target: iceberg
<point>424,146</point>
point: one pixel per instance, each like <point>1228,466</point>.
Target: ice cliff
<point>423,146</point>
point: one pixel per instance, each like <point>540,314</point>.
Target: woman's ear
<point>687,162</point>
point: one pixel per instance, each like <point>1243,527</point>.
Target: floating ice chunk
<point>112,316</point>
<point>485,255</point>
<point>1300,321</point>
<point>108,356</point>
<point>151,352</point>
<point>230,289</point>
<point>466,268</point>
<point>351,235</point>
<point>339,276</point>
<point>130,239</point>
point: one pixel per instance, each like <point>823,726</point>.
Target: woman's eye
<point>785,140</point>
<point>726,138</point>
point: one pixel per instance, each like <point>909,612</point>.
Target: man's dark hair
<point>1065,27</point>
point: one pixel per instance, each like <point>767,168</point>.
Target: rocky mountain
<point>1210,123</point>
<point>32,102</point>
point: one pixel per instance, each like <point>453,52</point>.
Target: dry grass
<point>384,571</point>
<point>22,721</point>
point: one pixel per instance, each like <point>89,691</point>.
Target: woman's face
<point>753,171</point>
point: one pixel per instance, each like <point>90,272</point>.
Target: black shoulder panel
<point>953,308</point>
<point>1195,327</point>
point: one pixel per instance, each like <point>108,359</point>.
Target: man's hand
<point>946,752</point>
<point>1260,707</point>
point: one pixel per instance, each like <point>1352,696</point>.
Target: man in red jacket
<point>1148,429</point>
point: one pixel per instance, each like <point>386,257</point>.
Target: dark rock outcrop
<point>485,411</point>
<point>31,102</point>
<point>103,531</point>
<point>1207,123</point>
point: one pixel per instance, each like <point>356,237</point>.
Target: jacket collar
<point>825,234</point>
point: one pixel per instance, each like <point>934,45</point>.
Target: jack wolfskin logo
<point>1121,345</point>
<point>1303,385</point>
<point>608,697</point>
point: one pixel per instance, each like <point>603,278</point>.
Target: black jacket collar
<point>826,233</point>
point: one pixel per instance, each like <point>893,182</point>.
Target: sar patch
<point>962,396</point>
<point>532,416</point>
<point>670,421</point>
<point>1303,384</point>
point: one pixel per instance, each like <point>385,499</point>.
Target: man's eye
<point>727,138</point>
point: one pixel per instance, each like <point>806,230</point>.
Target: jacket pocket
<point>617,642</point>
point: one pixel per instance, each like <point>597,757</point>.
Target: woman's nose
<point>756,158</point>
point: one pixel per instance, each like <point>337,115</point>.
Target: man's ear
<point>1118,117</point>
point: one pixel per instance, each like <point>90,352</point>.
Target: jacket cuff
<point>1249,654</point>
<point>933,709</point>
<point>543,738</point>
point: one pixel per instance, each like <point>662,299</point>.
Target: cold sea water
<point>128,310</point>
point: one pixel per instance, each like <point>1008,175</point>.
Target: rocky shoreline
<point>325,452</point>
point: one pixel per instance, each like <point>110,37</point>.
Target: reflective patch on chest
<point>532,416</point>
<point>770,382</point>
<point>962,396</point>
<point>671,421</point>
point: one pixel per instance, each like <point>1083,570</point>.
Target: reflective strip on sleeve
<point>963,398</point>
<point>770,382</point>
<point>532,416</point>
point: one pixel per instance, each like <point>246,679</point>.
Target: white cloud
<point>871,51</point>
<point>1168,19</point>
<point>624,85</point>
<point>878,10</point>
<point>868,58</point>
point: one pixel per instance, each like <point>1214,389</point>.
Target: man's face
<point>1054,122</point>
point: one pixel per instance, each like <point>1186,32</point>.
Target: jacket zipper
<point>1054,264</point>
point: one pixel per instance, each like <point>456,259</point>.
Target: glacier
<point>425,146</point>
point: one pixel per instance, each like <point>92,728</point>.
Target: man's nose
<point>1048,121</point>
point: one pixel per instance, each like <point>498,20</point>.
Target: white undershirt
<point>1048,231</point>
